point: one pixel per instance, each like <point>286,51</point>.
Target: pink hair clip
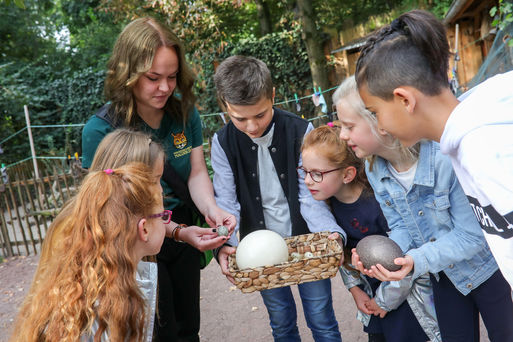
<point>108,171</point>
<point>330,124</point>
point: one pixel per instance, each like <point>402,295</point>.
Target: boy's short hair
<point>243,80</point>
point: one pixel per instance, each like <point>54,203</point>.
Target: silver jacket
<point>391,294</point>
<point>146,277</point>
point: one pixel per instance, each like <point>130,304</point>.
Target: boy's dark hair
<point>411,51</point>
<point>242,80</point>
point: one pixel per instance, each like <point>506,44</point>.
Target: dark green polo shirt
<point>178,141</point>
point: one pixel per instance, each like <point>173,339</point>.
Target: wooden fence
<point>29,204</point>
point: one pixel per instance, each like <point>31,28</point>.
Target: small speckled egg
<point>295,256</point>
<point>222,230</point>
<point>309,255</point>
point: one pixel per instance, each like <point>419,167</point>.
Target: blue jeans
<point>317,306</point>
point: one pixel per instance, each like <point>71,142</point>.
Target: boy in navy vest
<point>254,158</point>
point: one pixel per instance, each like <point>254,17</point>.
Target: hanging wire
<point>64,125</point>
<point>279,103</point>
<point>307,96</point>
<point>13,135</point>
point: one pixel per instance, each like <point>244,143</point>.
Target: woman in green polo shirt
<point>146,67</point>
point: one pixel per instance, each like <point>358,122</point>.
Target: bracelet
<point>176,231</point>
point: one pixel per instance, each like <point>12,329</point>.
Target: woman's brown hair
<point>132,56</point>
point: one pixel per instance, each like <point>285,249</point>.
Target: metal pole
<point>27,118</point>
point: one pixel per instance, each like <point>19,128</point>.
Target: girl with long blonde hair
<point>87,287</point>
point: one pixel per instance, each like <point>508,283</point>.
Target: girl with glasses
<point>118,148</point>
<point>333,173</point>
<point>92,286</point>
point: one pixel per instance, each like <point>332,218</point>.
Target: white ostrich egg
<point>261,248</point>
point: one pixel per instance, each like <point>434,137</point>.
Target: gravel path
<point>227,314</point>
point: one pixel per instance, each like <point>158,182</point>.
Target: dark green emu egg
<point>378,249</point>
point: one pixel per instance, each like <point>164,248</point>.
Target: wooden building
<point>469,19</point>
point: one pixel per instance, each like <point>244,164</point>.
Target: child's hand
<point>381,273</point>
<point>355,261</point>
<point>360,298</point>
<point>374,307</point>
<point>224,252</point>
<point>338,238</point>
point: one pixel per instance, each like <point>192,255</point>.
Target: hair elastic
<point>330,124</point>
<point>108,171</point>
<point>396,25</point>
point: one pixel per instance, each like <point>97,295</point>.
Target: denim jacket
<point>433,221</point>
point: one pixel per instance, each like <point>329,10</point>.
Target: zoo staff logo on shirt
<point>180,141</point>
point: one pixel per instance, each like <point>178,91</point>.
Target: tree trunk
<point>314,48</point>
<point>264,17</point>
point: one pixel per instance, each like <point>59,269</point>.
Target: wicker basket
<point>323,263</point>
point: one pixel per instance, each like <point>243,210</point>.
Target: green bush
<point>285,55</point>
<point>53,96</point>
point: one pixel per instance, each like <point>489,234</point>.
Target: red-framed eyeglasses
<point>165,215</point>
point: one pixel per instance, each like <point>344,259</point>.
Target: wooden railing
<point>28,205</point>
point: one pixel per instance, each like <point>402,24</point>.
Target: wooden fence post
<point>7,247</point>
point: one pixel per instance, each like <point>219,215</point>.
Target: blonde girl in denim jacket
<point>430,218</point>
<point>334,174</point>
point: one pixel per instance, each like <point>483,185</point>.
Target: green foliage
<point>19,3</point>
<point>503,16</point>
<point>20,26</point>
<point>285,55</point>
<point>336,13</point>
<point>54,52</point>
<point>53,60</point>
<point>53,96</point>
<point>92,33</point>
<point>441,7</point>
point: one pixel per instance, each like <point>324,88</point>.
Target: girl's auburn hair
<point>89,276</point>
<point>132,56</point>
<point>326,141</point>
